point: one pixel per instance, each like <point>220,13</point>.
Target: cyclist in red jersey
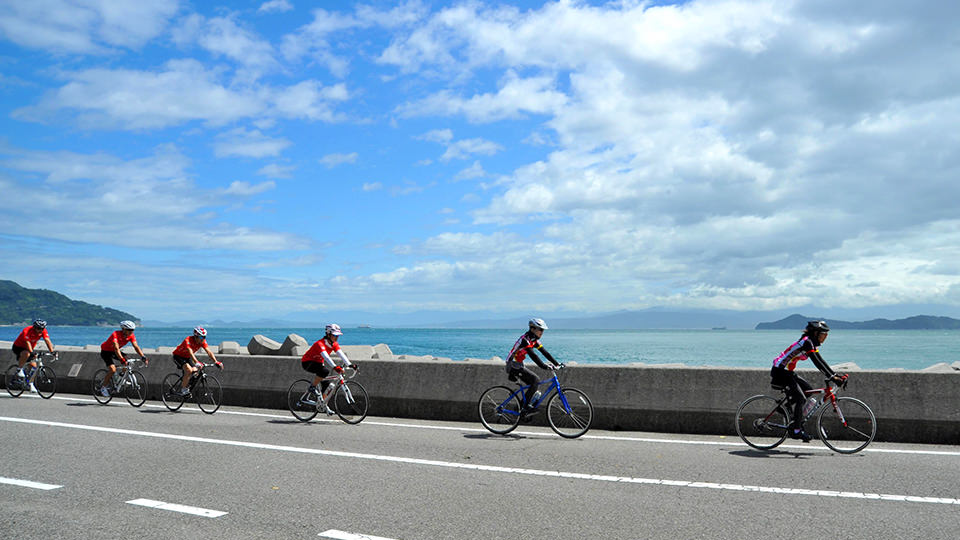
<point>185,358</point>
<point>110,351</point>
<point>317,360</point>
<point>782,373</point>
<point>26,343</point>
<point>524,347</point>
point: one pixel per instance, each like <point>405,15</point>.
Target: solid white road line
<point>496,469</point>
<point>550,434</point>
<point>28,483</point>
<point>193,510</point>
<point>343,535</point>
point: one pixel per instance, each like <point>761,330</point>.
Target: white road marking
<point>343,535</point>
<point>193,510</point>
<point>496,469</point>
<point>28,483</point>
<point>550,434</point>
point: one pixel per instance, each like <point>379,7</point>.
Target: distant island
<point>19,305</point>
<point>919,322</point>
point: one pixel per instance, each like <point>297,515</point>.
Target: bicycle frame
<point>122,376</point>
<point>38,357</point>
<point>829,397</point>
<point>553,387</point>
<point>338,380</point>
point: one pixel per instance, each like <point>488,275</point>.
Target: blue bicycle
<point>569,411</point>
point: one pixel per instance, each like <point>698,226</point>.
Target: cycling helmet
<point>538,323</point>
<point>816,326</point>
<point>127,325</point>
<point>334,329</point>
<point>39,324</point>
<point>200,332</point>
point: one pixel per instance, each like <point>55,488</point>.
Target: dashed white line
<point>183,509</point>
<point>28,483</point>
<point>498,469</point>
<point>343,535</point>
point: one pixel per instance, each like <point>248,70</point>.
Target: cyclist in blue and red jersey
<point>110,351</point>
<point>26,343</point>
<point>186,359</point>
<point>782,373</point>
<point>317,360</point>
<point>524,347</point>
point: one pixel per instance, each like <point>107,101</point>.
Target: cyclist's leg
<point>108,358</point>
<point>22,355</point>
<point>319,371</point>
<point>185,365</point>
<point>530,378</point>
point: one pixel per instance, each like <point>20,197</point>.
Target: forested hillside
<point>19,305</point>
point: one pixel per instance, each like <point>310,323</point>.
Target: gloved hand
<point>338,369</point>
<point>220,365</point>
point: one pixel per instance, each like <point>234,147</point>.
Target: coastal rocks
<point>941,367</point>
<point>294,345</point>
<point>230,347</point>
<point>382,352</point>
<point>262,345</point>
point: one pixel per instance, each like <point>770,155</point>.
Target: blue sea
<point>869,349</point>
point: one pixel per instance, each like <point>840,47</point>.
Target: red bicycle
<point>845,424</point>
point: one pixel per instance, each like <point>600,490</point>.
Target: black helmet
<point>39,324</point>
<point>816,326</point>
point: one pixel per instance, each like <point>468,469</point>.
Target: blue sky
<point>251,159</point>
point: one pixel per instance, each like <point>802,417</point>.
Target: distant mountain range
<point>19,305</point>
<point>919,322</point>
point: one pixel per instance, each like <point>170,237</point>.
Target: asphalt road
<point>249,473</point>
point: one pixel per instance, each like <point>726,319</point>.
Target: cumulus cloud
<point>64,26</point>
<point>275,6</point>
<point>332,160</point>
<point>248,143</point>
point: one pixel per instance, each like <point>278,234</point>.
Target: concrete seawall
<point>910,406</point>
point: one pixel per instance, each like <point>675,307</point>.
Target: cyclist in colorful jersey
<point>782,373</point>
<point>26,343</point>
<point>317,360</point>
<point>110,352</point>
<point>186,360</point>
<point>524,347</point>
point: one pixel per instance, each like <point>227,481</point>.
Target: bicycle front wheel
<point>169,391</point>
<point>499,410</point>
<point>300,402</point>
<point>135,388</point>
<point>570,413</point>
<point>208,394</point>
<point>762,422</point>
<point>350,402</point>
<point>14,382</point>
<point>846,426</point>
<point>97,383</point>
<point>46,382</point>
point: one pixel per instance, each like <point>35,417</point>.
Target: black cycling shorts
<point>109,357</point>
<point>317,368</point>
<point>17,350</point>
<point>180,361</point>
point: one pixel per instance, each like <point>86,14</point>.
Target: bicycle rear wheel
<point>846,426</point>
<point>169,391</point>
<point>97,383</point>
<point>135,388</point>
<point>573,418</point>
<point>499,409</point>
<point>208,394</point>
<point>762,422</point>
<point>350,402</point>
<point>13,382</point>
<point>46,382</point>
<point>302,405</point>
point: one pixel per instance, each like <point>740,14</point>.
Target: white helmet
<point>200,332</point>
<point>538,323</point>
<point>334,329</point>
<point>127,325</point>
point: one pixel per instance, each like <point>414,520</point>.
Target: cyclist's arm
<point>119,353</point>
<point>548,356</point>
<point>209,352</point>
<point>49,344</point>
<point>327,361</point>
<point>821,364</point>
<point>536,359</point>
<point>343,357</point>
<point>137,348</point>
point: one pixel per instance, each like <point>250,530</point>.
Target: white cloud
<point>252,143</point>
<point>275,6</point>
<point>84,27</point>
<point>223,36</point>
<point>275,170</point>
<point>372,186</point>
<point>246,189</point>
<point>332,160</point>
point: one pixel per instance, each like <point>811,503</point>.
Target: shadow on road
<point>480,436</point>
<point>84,405</point>
<point>770,454</point>
<point>291,421</point>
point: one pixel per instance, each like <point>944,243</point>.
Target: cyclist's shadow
<point>771,454</point>
<point>493,436</point>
